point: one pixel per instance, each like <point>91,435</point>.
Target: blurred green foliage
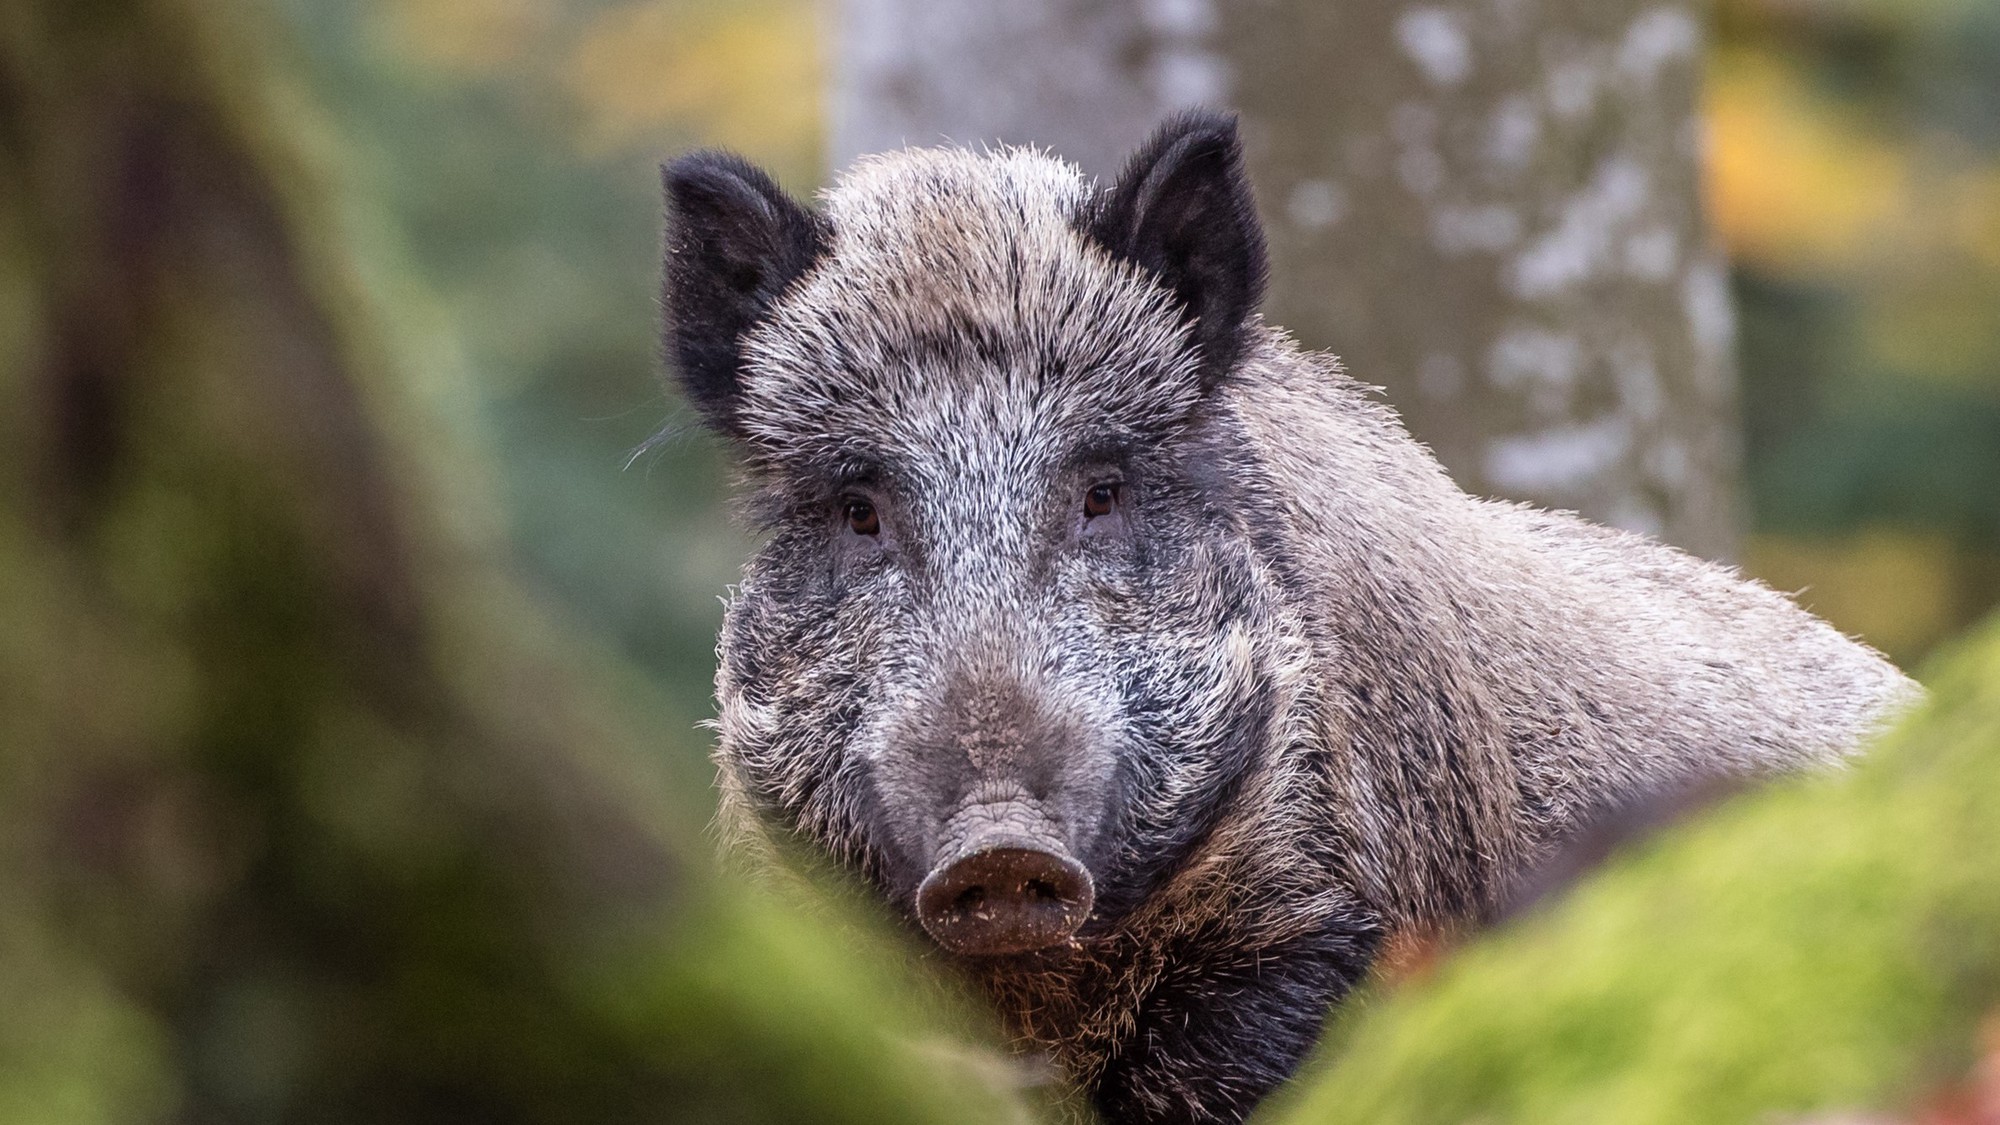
<point>349,759</point>
<point>308,812</point>
<point>1855,174</point>
<point>513,145</point>
<point>1832,945</point>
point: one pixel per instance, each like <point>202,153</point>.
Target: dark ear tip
<point>1201,122</point>
<point>713,173</point>
<point>697,167</point>
<point>1198,132</point>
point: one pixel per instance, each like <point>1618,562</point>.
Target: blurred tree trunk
<point>1492,209</point>
<point>305,813</point>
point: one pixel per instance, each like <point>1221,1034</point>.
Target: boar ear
<point>734,241</point>
<point>1182,210</point>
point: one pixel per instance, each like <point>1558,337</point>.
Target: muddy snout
<point>1005,891</point>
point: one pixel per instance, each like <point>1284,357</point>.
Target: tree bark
<point>1490,209</point>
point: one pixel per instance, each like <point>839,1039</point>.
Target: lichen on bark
<point>1490,209</point>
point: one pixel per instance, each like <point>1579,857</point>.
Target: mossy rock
<point>1828,945</point>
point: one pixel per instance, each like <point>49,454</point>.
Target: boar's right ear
<point>1182,210</point>
<point>734,241</point>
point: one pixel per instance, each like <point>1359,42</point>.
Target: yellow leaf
<point>743,75</point>
<point>1789,183</point>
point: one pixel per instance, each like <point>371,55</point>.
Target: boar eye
<point>1100,499</point>
<point>861,517</point>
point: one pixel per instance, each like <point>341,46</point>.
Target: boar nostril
<point>1005,899</point>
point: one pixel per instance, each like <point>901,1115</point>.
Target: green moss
<point>1829,944</point>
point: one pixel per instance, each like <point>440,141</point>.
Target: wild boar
<point>1140,657</point>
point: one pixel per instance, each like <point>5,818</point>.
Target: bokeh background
<point>313,812</point>
<point>1853,173</point>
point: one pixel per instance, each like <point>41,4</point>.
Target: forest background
<point>351,768</point>
<point>1852,171</point>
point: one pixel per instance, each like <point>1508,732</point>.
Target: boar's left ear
<point>734,241</point>
<point>1183,211</point>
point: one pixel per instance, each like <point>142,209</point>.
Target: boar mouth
<point>1003,894</point>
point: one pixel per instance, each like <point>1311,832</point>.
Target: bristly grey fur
<point>1302,692</point>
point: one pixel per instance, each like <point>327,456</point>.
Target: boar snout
<point>1007,889</point>
<point>1005,900</point>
